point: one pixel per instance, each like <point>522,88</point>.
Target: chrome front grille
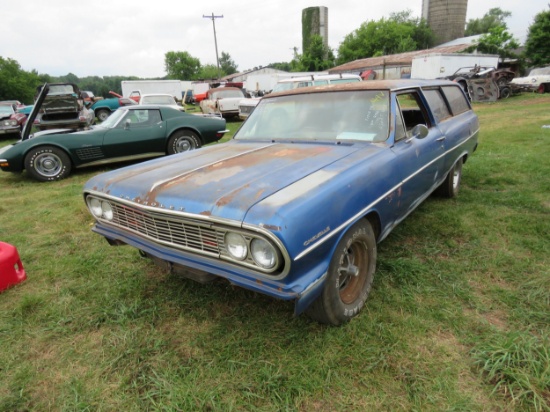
<point>185,234</point>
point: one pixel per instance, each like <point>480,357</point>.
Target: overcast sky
<point>131,37</point>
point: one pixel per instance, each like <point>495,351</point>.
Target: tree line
<point>399,33</point>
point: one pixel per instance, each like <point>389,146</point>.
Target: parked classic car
<point>295,204</point>
<point>11,121</point>
<point>247,105</point>
<point>160,99</point>
<point>63,107</point>
<point>103,108</point>
<point>130,133</point>
<point>88,96</point>
<point>16,103</point>
<point>222,101</point>
<point>537,80</point>
<point>26,110</point>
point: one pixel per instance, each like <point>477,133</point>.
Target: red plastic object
<point>11,267</point>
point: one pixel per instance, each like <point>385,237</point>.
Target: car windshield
<point>113,119</point>
<point>163,100</point>
<point>540,71</point>
<point>57,89</point>
<point>280,87</point>
<point>6,109</point>
<point>330,116</point>
<point>224,94</point>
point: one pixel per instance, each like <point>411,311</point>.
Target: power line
<point>215,40</point>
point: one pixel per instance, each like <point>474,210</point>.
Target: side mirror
<point>127,124</point>
<point>420,131</point>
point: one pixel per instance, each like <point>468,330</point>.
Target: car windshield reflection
<point>332,116</point>
<point>113,119</point>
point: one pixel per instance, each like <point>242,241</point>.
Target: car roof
<point>221,89</point>
<point>156,94</point>
<point>148,106</point>
<point>388,85</point>
<point>320,77</point>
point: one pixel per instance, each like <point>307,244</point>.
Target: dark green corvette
<point>131,132</point>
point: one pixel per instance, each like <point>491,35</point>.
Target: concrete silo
<point>314,22</point>
<point>446,18</point>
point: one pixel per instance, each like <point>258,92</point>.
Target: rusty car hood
<point>223,180</point>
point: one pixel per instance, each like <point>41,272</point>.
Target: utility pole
<point>215,40</point>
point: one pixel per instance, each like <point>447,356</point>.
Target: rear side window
<point>457,100</point>
<point>437,104</point>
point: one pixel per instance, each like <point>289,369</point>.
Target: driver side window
<point>142,118</point>
<point>409,114</point>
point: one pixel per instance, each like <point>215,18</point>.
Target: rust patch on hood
<point>226,168</point>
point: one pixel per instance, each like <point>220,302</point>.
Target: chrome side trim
<point>366,209</point>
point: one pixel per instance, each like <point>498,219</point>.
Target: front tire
<point>47,163</point>
<point>183,141</point>
<point>350,276</point>
<point>451,185</point>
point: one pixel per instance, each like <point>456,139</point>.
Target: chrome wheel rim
<point>352,272</point>
<point>182,145</point>
<point>48,164</point>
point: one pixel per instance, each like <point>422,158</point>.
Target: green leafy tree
<point>495,17</point>
<point>285,66</point>
<point>101,86</point>
<point>17,84</point>
<point>317,57</point>
<point>227,65</point>
<point>68,78</point>
<point>497,41</point>
<point>207,72</point>
<point>537,45</point>
<point>397,34</point>
<point>181,65</point>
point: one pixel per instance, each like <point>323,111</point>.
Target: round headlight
<point>236,245</point>
<point>95,206</point>
<point>107,210</point>
<point>263,253</point>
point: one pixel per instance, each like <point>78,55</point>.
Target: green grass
<point>458,318</point>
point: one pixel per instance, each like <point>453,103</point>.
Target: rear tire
<point>102,114</point>
<point>349,279</point>
<point>451,185</point>
<point>47,163</point>
<point>183,141</point>
<point>505,92</point>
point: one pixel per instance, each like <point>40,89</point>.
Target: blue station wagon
<point>295,204</point>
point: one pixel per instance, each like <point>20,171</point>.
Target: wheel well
<point>183,129</point>
<point>374,221</point>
